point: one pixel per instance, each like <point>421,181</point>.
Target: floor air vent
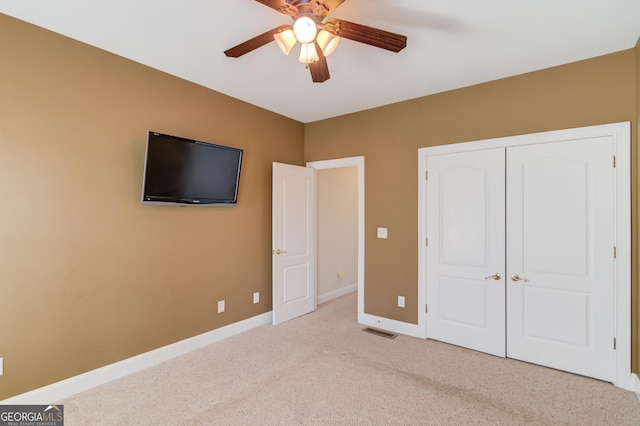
<point>380,333</point>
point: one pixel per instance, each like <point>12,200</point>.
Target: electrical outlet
<point>341,275</point>
<point>256,297</point>
<point>400,301</point>
<point>382,233</point>
<point>220,306</point>
<point>1,366</point>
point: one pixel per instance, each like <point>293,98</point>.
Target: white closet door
<point>465,256</point>
<point>560,256</point>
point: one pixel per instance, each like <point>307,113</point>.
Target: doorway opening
<point>346,177</point>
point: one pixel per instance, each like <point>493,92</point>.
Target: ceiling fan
<point>317,35</point>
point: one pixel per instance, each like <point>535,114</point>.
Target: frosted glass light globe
<point>305,29</point>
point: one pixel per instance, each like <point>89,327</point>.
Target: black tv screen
<point>185,171</point>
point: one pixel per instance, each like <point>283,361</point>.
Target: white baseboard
<point>69,387</point>
<point>391,325</point>
<point>323,298</point>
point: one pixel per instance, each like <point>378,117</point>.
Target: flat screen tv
<point>182,171</point>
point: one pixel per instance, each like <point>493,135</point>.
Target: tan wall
<point>88,276</point>
<point>635,232</point>
<point>596,91</point>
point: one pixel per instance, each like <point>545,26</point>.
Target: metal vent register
<point>380,333</point>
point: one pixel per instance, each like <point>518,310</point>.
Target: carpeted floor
<point>322,369</point>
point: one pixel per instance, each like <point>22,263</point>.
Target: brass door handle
<point>278,251</point>
<point>516,277</point>
<point>495,276</point>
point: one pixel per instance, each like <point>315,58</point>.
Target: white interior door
<point>293,241</point>
<point>560,243</point>
<point>465,253</point>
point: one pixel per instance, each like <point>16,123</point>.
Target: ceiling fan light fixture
<point>327,42</point>
<point>285,40</point>
<point>305,29</point>
<point>308,54</point>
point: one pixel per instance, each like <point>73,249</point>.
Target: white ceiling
<point>451,44</point>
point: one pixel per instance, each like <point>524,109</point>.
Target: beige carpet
<point>323,369</point>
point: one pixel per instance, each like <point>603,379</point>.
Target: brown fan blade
<point>254,43</point>
<point>319,69</point>
<point>367,35</point>
<point>280,6</point>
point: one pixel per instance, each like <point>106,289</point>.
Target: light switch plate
<point>382,232</point>
<point>400,301</point>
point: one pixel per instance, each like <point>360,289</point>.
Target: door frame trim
<point>357,162</point>
<point>621,133</point>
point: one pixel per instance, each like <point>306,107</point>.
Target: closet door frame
<point>621,135</point>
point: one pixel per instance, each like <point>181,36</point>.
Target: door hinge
<point>614,343</point>
<point>615,252</point>
<point>426,309</point>
<point>426,242</point>
<point>426,175</point>
<point>614,161</point>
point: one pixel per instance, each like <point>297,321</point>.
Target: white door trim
<point>621,133</point>
<point>357,162</point>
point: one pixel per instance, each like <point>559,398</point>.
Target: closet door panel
<point>560,264</point>
<point>465,218</point>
